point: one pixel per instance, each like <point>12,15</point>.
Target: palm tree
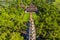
<point>32,30</point>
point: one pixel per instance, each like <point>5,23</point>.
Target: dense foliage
<point>57,3</point>
<point>14,19</point>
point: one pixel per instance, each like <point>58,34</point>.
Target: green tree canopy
<point>13,20</point>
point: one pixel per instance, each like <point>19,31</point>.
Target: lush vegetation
<point>14,19</point>
<point>57,3</point>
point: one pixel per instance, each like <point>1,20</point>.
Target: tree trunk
<point>32,31</point>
